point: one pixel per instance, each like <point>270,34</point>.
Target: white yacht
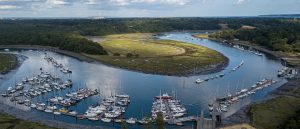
<point>198,81</point>
<point>131,121</point>
<point>106,120</point>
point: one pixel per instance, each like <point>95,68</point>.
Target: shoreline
<point>208,70</point>
<point>15,64</point>
<point>48,48</point>
<point>283,57</point>
<point>33,117</point>
<point>23,115</point>
<point>247,44</point>
<point>54,123</point>
<point>219,67</point>
<point>241,116</point>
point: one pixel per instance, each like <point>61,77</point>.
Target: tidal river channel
<point>142,87</point>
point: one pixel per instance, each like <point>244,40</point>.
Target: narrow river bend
<point>143,87</point>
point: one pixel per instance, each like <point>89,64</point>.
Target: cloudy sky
<point>145,8</point>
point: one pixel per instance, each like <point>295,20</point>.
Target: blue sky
<point>145,8</point>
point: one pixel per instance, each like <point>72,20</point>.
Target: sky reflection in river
<point>143,87</point>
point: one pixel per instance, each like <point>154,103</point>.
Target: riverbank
<point>284,97</point>
<point>48,48</point>
<point>143,53</point>
<point>10,122</point>
<point>243,43</point>
<point>288,91</point>
<point>290,59</point>
<point>34,118</point>
<point>118,61</point>
<point>7,62</point>
<point>12,117</point>
<point>201,36</point>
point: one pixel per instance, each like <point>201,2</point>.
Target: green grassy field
<point>156,56</point>
<point>238,126</point>
<point>9,122</point>
<point>203,36</point>
<point>6,62</point>
<point>138,44</point>
<point>273,113</point>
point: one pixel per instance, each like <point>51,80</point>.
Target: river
<point>143,87</point>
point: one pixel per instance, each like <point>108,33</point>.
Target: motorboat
<point>198,81</point>
<point>164,96</point>
<point>52,107</point>
<point>118,120</point>
<point>63,110</point>
<point>5,95</point>
<point>106,120</point>
<point>48,110</point>
<point>90,114</point>
<point>144,120</point>
<point>33,106</point>
<point>131,121</point>
<point>56,113</point>
<point>73,113</point>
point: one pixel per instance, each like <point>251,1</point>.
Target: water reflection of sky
<point>143,87</point>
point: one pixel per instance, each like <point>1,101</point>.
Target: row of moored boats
<point>199,81</point>
<point>250,50</point>
<point>170,107</point>
<point>287,72</point>
<point>55,63</point>
<point>224,103</point>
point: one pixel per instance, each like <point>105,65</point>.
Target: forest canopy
<point>67,34</point>
<point>282,36</point>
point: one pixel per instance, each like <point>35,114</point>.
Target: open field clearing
<point>141,52</point>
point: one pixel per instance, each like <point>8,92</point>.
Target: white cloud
<point>54,3</point>
<point>176,2</point>
<point>239,2</point>
<point>21,0</point>
<point>4,7</point>
<point>169,2</point>
<point>91,2</point>
<point>57,2</point>
<point>120,2</point>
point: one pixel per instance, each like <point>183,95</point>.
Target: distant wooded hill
<point>67,33</point>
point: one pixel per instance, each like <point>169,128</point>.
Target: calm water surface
<point>143,87</point>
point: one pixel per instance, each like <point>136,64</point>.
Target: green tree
<point>124,125</point>
<point>160,121</point>
<point>117,54</point>
<point>128,55</point>
<point>147,125</point>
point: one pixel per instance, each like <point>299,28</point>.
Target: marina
<point>287,72</point>
<point>242,48</point>
<point>35,86</point>
<point>109,109</point>
<point>73,98</point>
<point>170,107</point>
<point>115,95</point>
<point>222,104</point>
<point>61,67</point>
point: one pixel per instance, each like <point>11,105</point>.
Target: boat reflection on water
<point>140,86</point>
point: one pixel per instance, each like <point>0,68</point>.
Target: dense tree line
<point>62,41</point>
<point>292,123</point>
<point>280,35</point>
<point>66,33</point>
